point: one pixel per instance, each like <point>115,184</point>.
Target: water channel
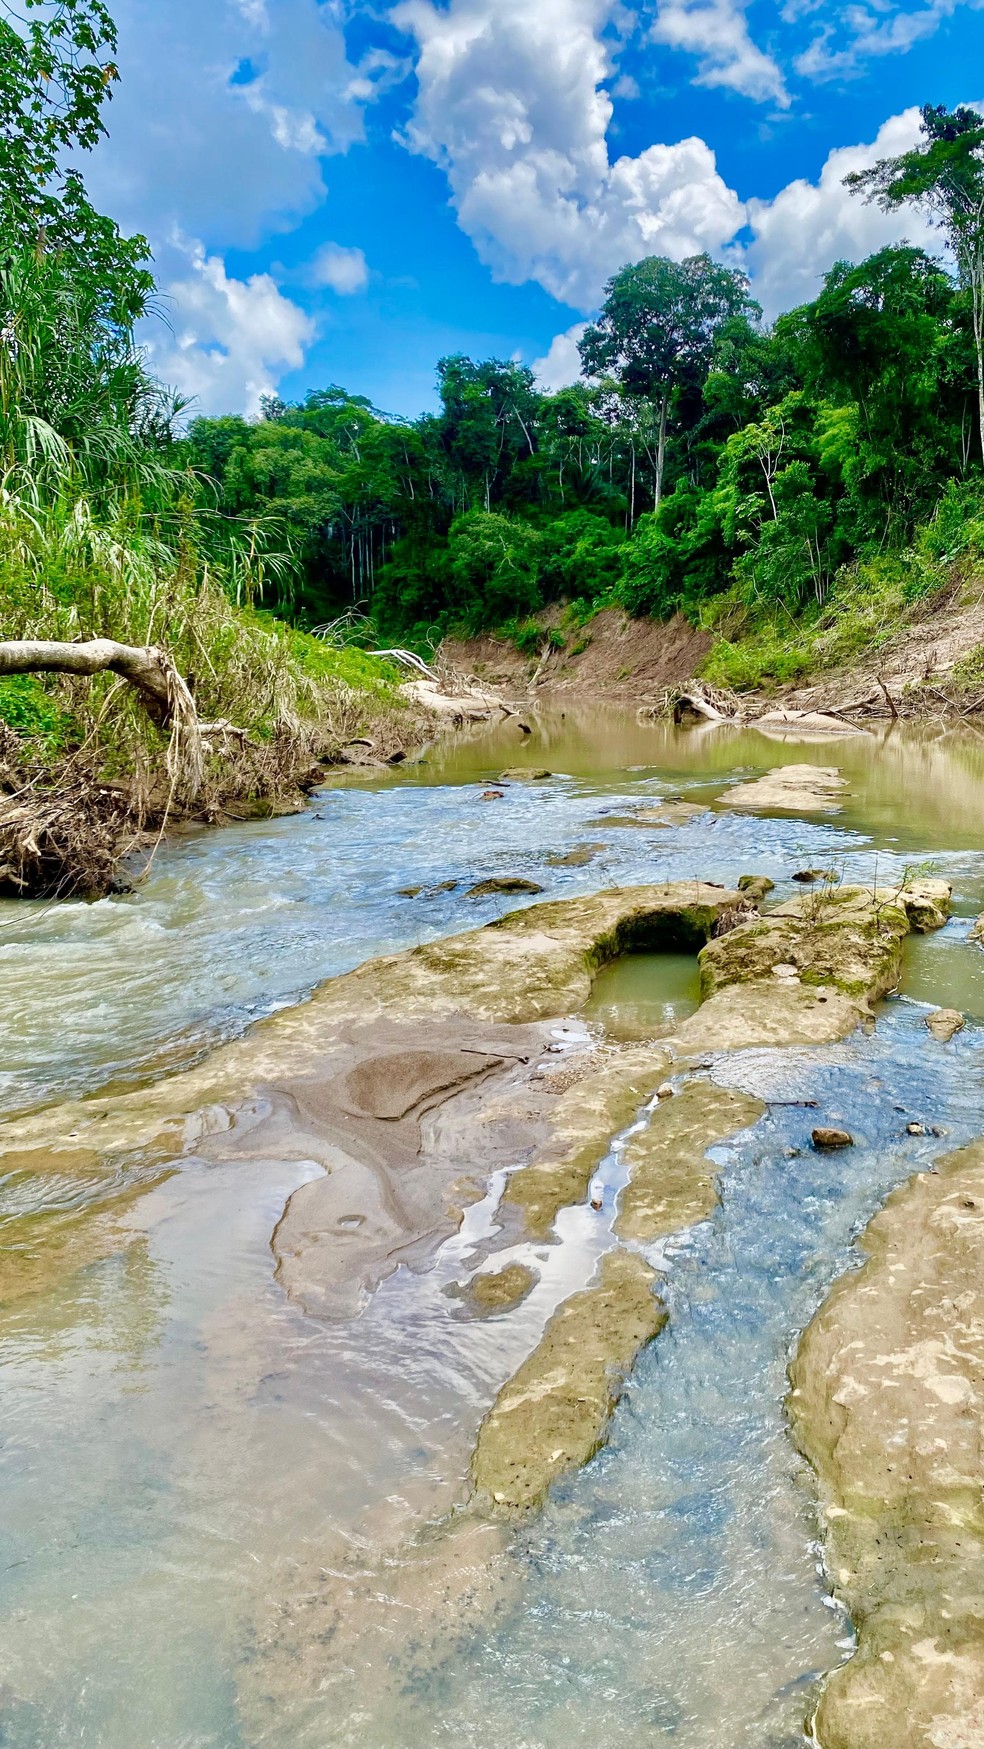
<point>226,1524</point>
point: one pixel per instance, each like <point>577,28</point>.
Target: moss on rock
<point>672,1182</point>
<point>551,1416</point>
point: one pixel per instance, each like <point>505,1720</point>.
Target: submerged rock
<point>524,774</point>
<point>789,789</point>
<point>888,1406</point>
<point>500,1290</point>
<point>807,875</point>
<point>551,1416</point>
<point>503,884</point>
<point>579,857</point>
<point>945,1023</point>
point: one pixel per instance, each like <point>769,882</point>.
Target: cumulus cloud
<point>511,103</point>
<point>222,116</point>
<point>561,363</point>
<point>342,270</point>
<point>717,33</point>
<point>230,339</point>
<point>799,235</point>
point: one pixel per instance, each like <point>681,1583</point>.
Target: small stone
<point>789,974</point>
<point>666,1091</point>
<point>806,875</point>
<point>756,886</point>
<point>523,774</point>
<point>915,1129</point>
<point>944,1023</point>
<point>491,795</point>
<point>409,892</point>
<point>825,1138</point>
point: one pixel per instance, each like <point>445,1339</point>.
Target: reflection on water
<point>187,1461</point>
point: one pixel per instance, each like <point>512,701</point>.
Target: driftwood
<point>145,667</point>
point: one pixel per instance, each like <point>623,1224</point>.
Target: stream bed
<point>207,1495</point>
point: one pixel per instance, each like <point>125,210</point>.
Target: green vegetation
<point>795,489</point>
<point>107,529</point>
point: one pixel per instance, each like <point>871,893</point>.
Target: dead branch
<point>145,667</point>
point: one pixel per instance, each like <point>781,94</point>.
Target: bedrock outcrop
<point>888,1405</point>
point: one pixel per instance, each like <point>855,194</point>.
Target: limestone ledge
<point>888,1406</point>
<point>551,1416</point>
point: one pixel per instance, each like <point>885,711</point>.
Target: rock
<point>501,1290</point>
<point>551,1416</point>
<point>429,892</point>
<point>523,774</point>
<point>806,875</point>
<point>755,886</point>
<point>669,813</point>
<point>491,795</point>
<point>578,857</point>
<point>887,1407</point>
<point>915,1129</point>
<point>672,1179</point>
<point>789,789</point>
<point>827,1138</point>
<point>503,884</point>
<point>945,1023</point>
<point>977,933</point>
<point>666,1091</point>
<point>409,892</point>
<point>927,904</point>
<point>847,940</point>
<point>396,758</point>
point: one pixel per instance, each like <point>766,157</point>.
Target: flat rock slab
<point>551,1416</point>
<point>888,1405</point>
<point>672,1182</point>
<point>789,789</point>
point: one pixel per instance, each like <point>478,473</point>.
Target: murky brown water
<point>208,1496</point>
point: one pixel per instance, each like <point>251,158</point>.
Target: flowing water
<point>202,1487</point>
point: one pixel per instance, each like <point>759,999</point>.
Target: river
<point>216,1509</point>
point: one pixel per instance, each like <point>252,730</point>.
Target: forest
<point>792,482</point>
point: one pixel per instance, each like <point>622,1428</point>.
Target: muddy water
<point>194,1475</point>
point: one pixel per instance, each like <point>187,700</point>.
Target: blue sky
<point>343,192</point>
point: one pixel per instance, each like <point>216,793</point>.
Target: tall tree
<point>656,332</point>
<point>945,177</point>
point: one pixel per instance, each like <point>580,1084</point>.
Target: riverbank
<point>875,651</point>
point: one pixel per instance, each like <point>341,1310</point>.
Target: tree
<point>56,73</point>
<point>657,330</point>
<point>945,177</point>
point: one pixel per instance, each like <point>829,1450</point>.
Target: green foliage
<point>28,707</point>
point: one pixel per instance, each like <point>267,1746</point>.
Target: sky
<point>344,192</point>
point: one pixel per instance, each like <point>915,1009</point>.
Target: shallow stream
<point>202,1487</point>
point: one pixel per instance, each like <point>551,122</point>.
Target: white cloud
<point>343,270</point>
<point>809,225</point>
<point>561,364</point>
<point>857,32</point>
<point>511,103</point>
<point>717,33</point>
<point>231,339</point>
<point>222,116</point>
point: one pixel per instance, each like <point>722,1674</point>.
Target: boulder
<point>944,1023</point>
<point>755,886</point>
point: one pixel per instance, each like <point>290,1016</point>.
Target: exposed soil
<point>613,656</point>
